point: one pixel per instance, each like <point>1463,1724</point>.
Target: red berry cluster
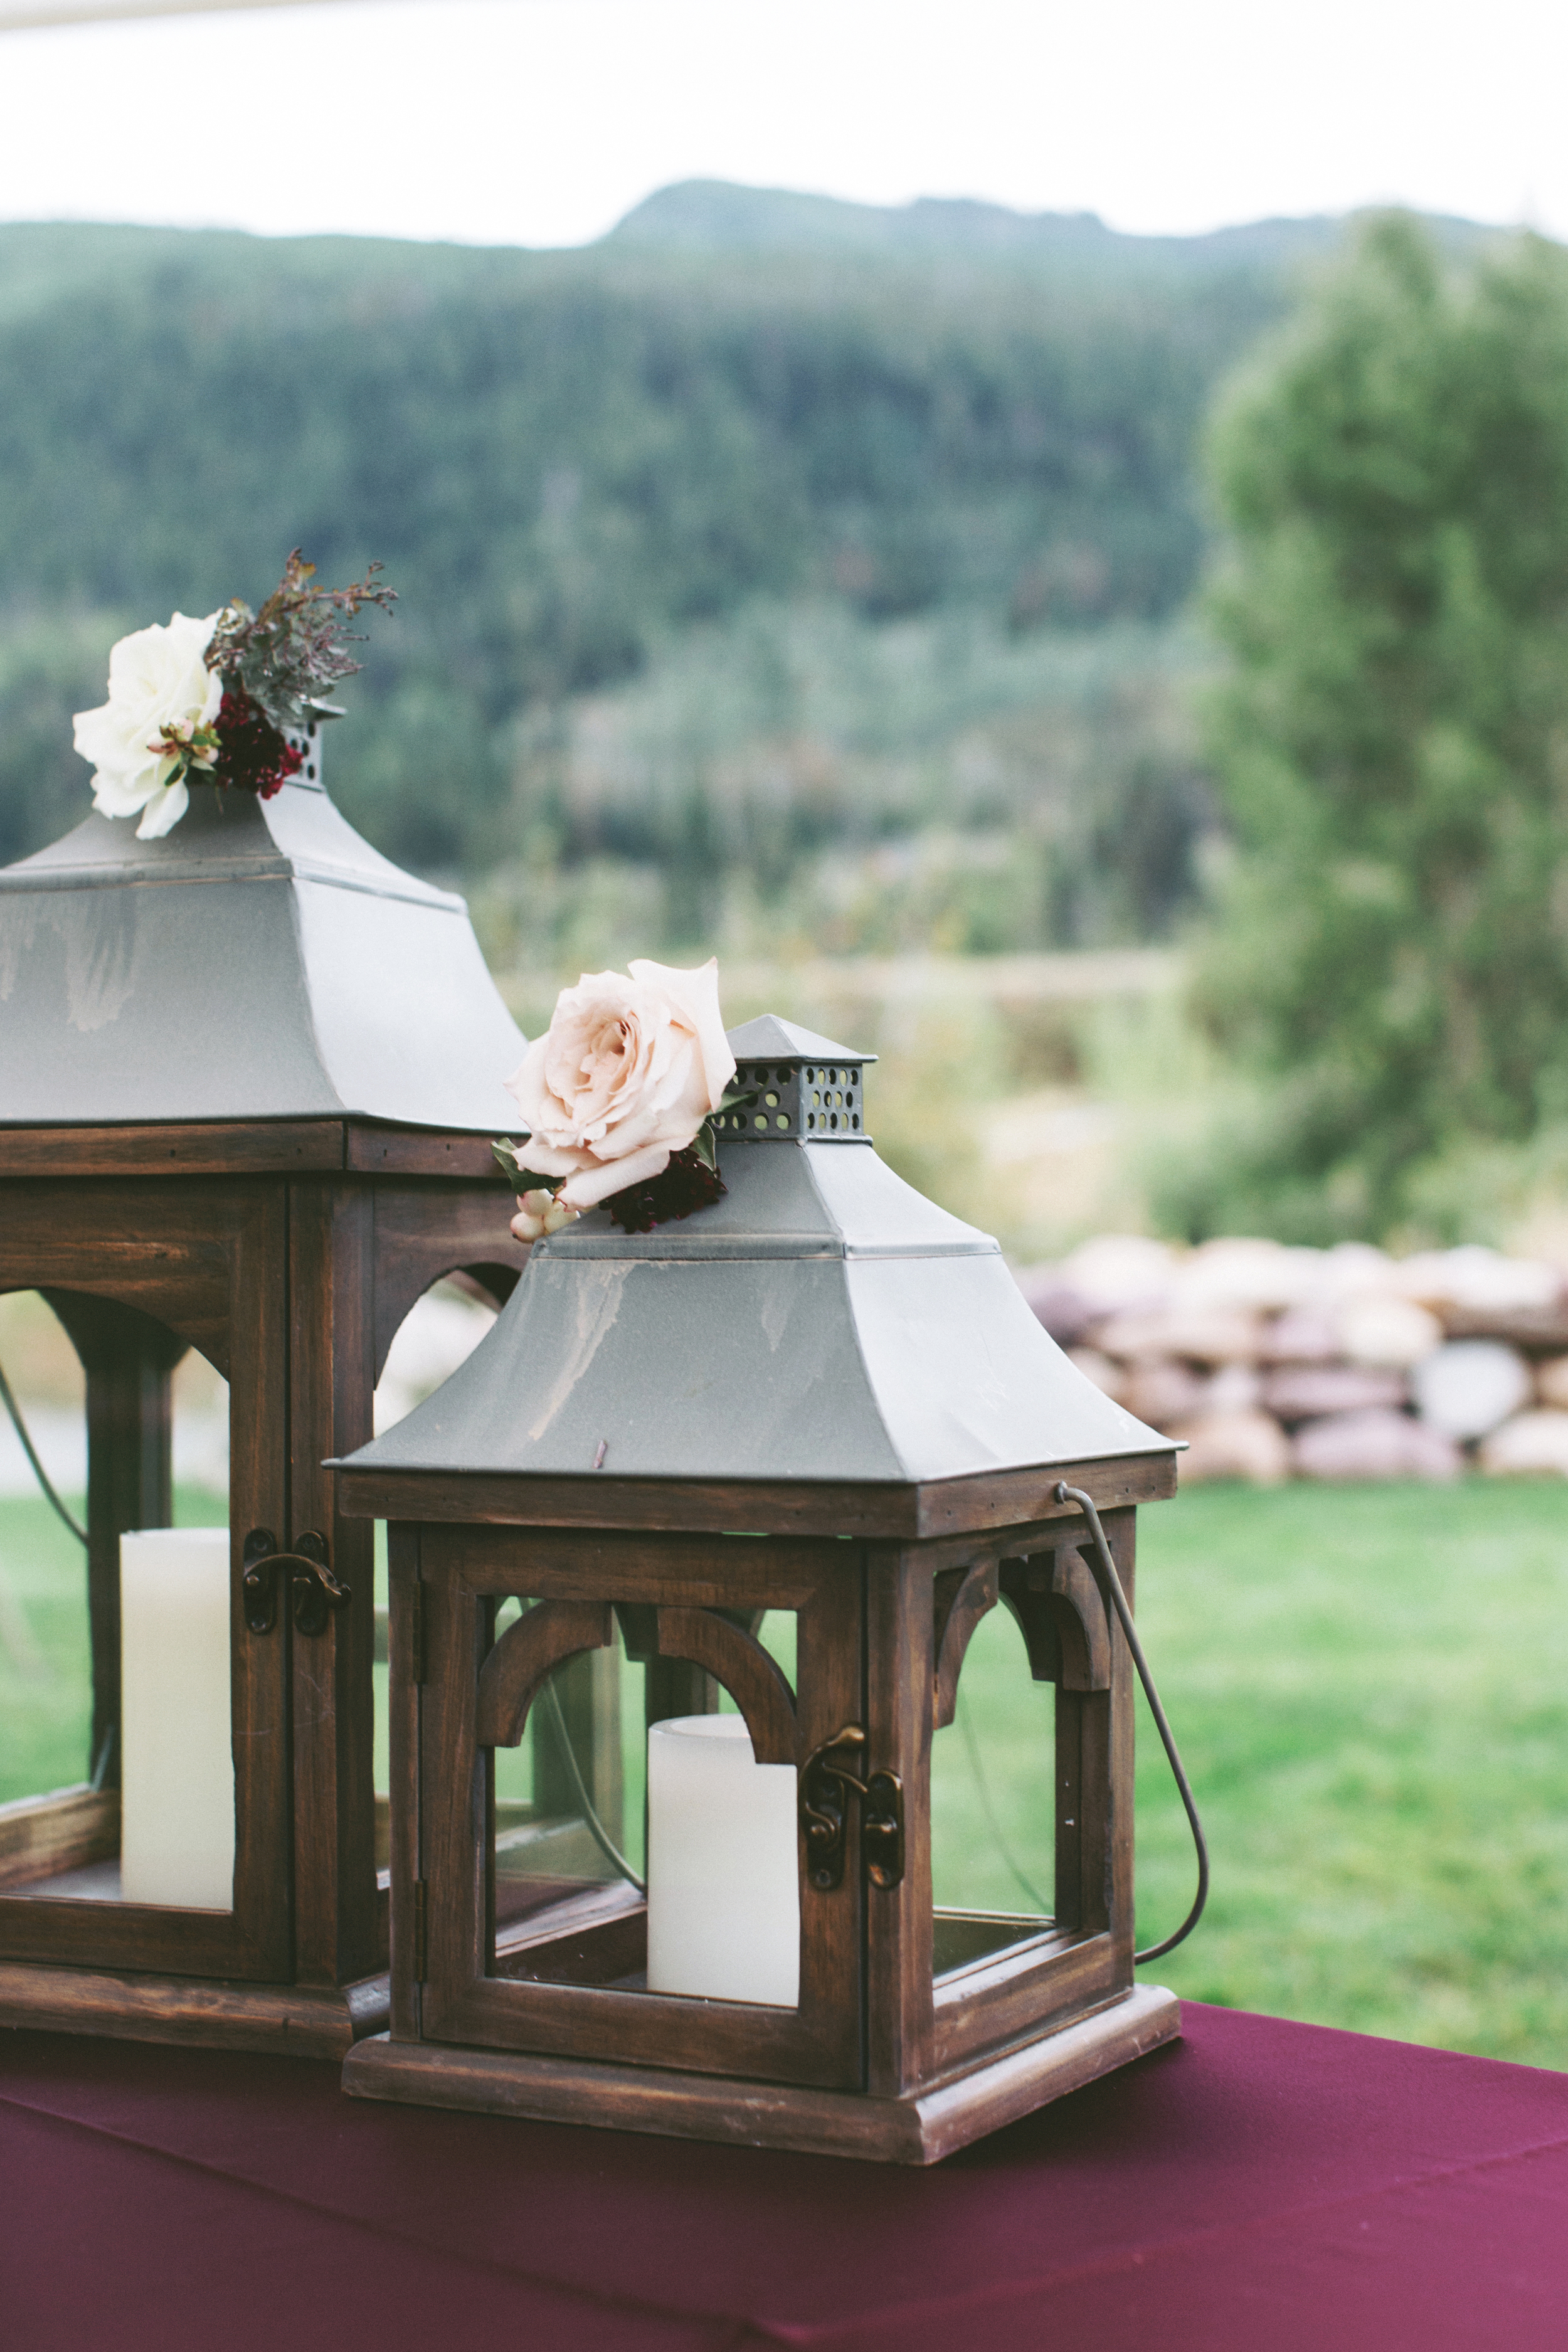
<point>254,756</point>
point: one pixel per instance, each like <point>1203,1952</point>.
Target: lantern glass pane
<point>116,1752</point>
<point>582,1812</point>
<point>993,1773</point>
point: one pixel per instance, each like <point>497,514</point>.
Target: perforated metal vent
<point>792,1101</point>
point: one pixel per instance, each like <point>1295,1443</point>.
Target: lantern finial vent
<point>804,1089</point>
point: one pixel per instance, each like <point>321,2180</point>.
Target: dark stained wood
<point>1062,1616</point>
<point>281,2021</point>
<point>426,1231</point>
<point>735,1659</point>
<point>406,1594</point>
<point>248,1148</point>
<point>1014,1996</point>
<point>597,1951</point>
<point>41,1836</point>
<point>919,2129</point>
<point>127,1358</point>
<point>463,1568</point>
<point>901,1679</point>
<point>212,1255</point>
<point>681,1571</point>
<point>1121,1534</point>
<point>338,1931</point>
<point>421,1152</point>
<point>960,1598</point>
<point>168,1254</point>
<point>798,1508</point>
<point>526,1657</point>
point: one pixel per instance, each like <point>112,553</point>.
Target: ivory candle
<point>724,1887</point>
<point>176,1838</point>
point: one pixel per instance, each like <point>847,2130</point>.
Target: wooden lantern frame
<point>287,1253</point>
<point>898,2049</point>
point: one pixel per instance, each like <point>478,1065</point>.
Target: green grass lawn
<point>1370,1685</point>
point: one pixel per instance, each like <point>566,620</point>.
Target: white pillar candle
<point>176,1748</point>
<point>724,1887</point>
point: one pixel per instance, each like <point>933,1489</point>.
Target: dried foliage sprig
<point>293,649</point>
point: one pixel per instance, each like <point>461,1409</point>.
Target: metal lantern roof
<point>260,962</point>
<point>822,1321</point>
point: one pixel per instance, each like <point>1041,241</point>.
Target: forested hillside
<point>763,526</point>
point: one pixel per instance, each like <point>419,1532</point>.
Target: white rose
<point>626,1074</point>
<point>139,740</point>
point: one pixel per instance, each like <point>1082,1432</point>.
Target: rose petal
<point>586,1190</point>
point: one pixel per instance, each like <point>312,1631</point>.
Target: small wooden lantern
<point>823,1396</point>
<point>247,1076</point>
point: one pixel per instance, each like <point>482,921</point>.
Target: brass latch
<point>315,1591</point>
<point>825,1786</point>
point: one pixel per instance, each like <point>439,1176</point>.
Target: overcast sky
<point>540,121</point>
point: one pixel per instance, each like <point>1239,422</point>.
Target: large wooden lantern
<point>247,1073</point>
<point>820,1405</point>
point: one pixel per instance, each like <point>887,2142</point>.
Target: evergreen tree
<point>1392,740</point>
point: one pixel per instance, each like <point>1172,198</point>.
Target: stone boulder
<point>1470,1386</point>
<point>1250,1446</point>
<point>1309,1392</point>
<point>1374,1445</point>
<point>1533,1445</point>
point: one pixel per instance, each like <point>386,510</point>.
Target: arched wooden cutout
<point>733,1656</point>
<point>961,1597</point>
<point>1061,1614</point>
<point>415,1248</point>
<point>527,1655</point>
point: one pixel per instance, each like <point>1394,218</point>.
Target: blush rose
<point>628,1069</point>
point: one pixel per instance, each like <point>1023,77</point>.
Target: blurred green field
<point>1371,1688</point>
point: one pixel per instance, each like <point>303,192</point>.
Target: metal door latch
<point>314,1590</point>
<point>827,1784</point>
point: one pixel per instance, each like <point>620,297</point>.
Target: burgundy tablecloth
<point>1257,2188</point>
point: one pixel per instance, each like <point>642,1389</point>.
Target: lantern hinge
<point>827,1784</point>
<point>421,1936</point>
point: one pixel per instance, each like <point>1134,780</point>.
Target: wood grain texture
<point>960,1598</point>
<point>900,1677</point>
<point>1121,1535</point>
<point>920,2129</point>
<point>425,1231</point>
<point>949,1508</point>
<point>208,1260</point>
<point>462,1569</point>
<point>736,1660</point>
<point>421,1152</point>
<point>41,1836</point>
<point>405,1691</point>
<point>246,1148</point>
<point>331,1379</point>
<point>525,1657</point>
<point>280,2021</point>
<point>1014,1996</point>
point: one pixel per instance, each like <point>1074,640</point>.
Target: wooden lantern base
<point>280,2021</point>
<point>919,2129</point>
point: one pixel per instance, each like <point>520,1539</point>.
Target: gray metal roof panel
<point>753,1341</point>
<point>260,962</point>
<point>769,1039</point>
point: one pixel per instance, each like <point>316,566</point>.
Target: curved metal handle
<point>315,1591</point>
<point>1065,1494</point>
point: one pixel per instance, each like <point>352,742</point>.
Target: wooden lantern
<point>247,1074</point>
<point>823,1396</point>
